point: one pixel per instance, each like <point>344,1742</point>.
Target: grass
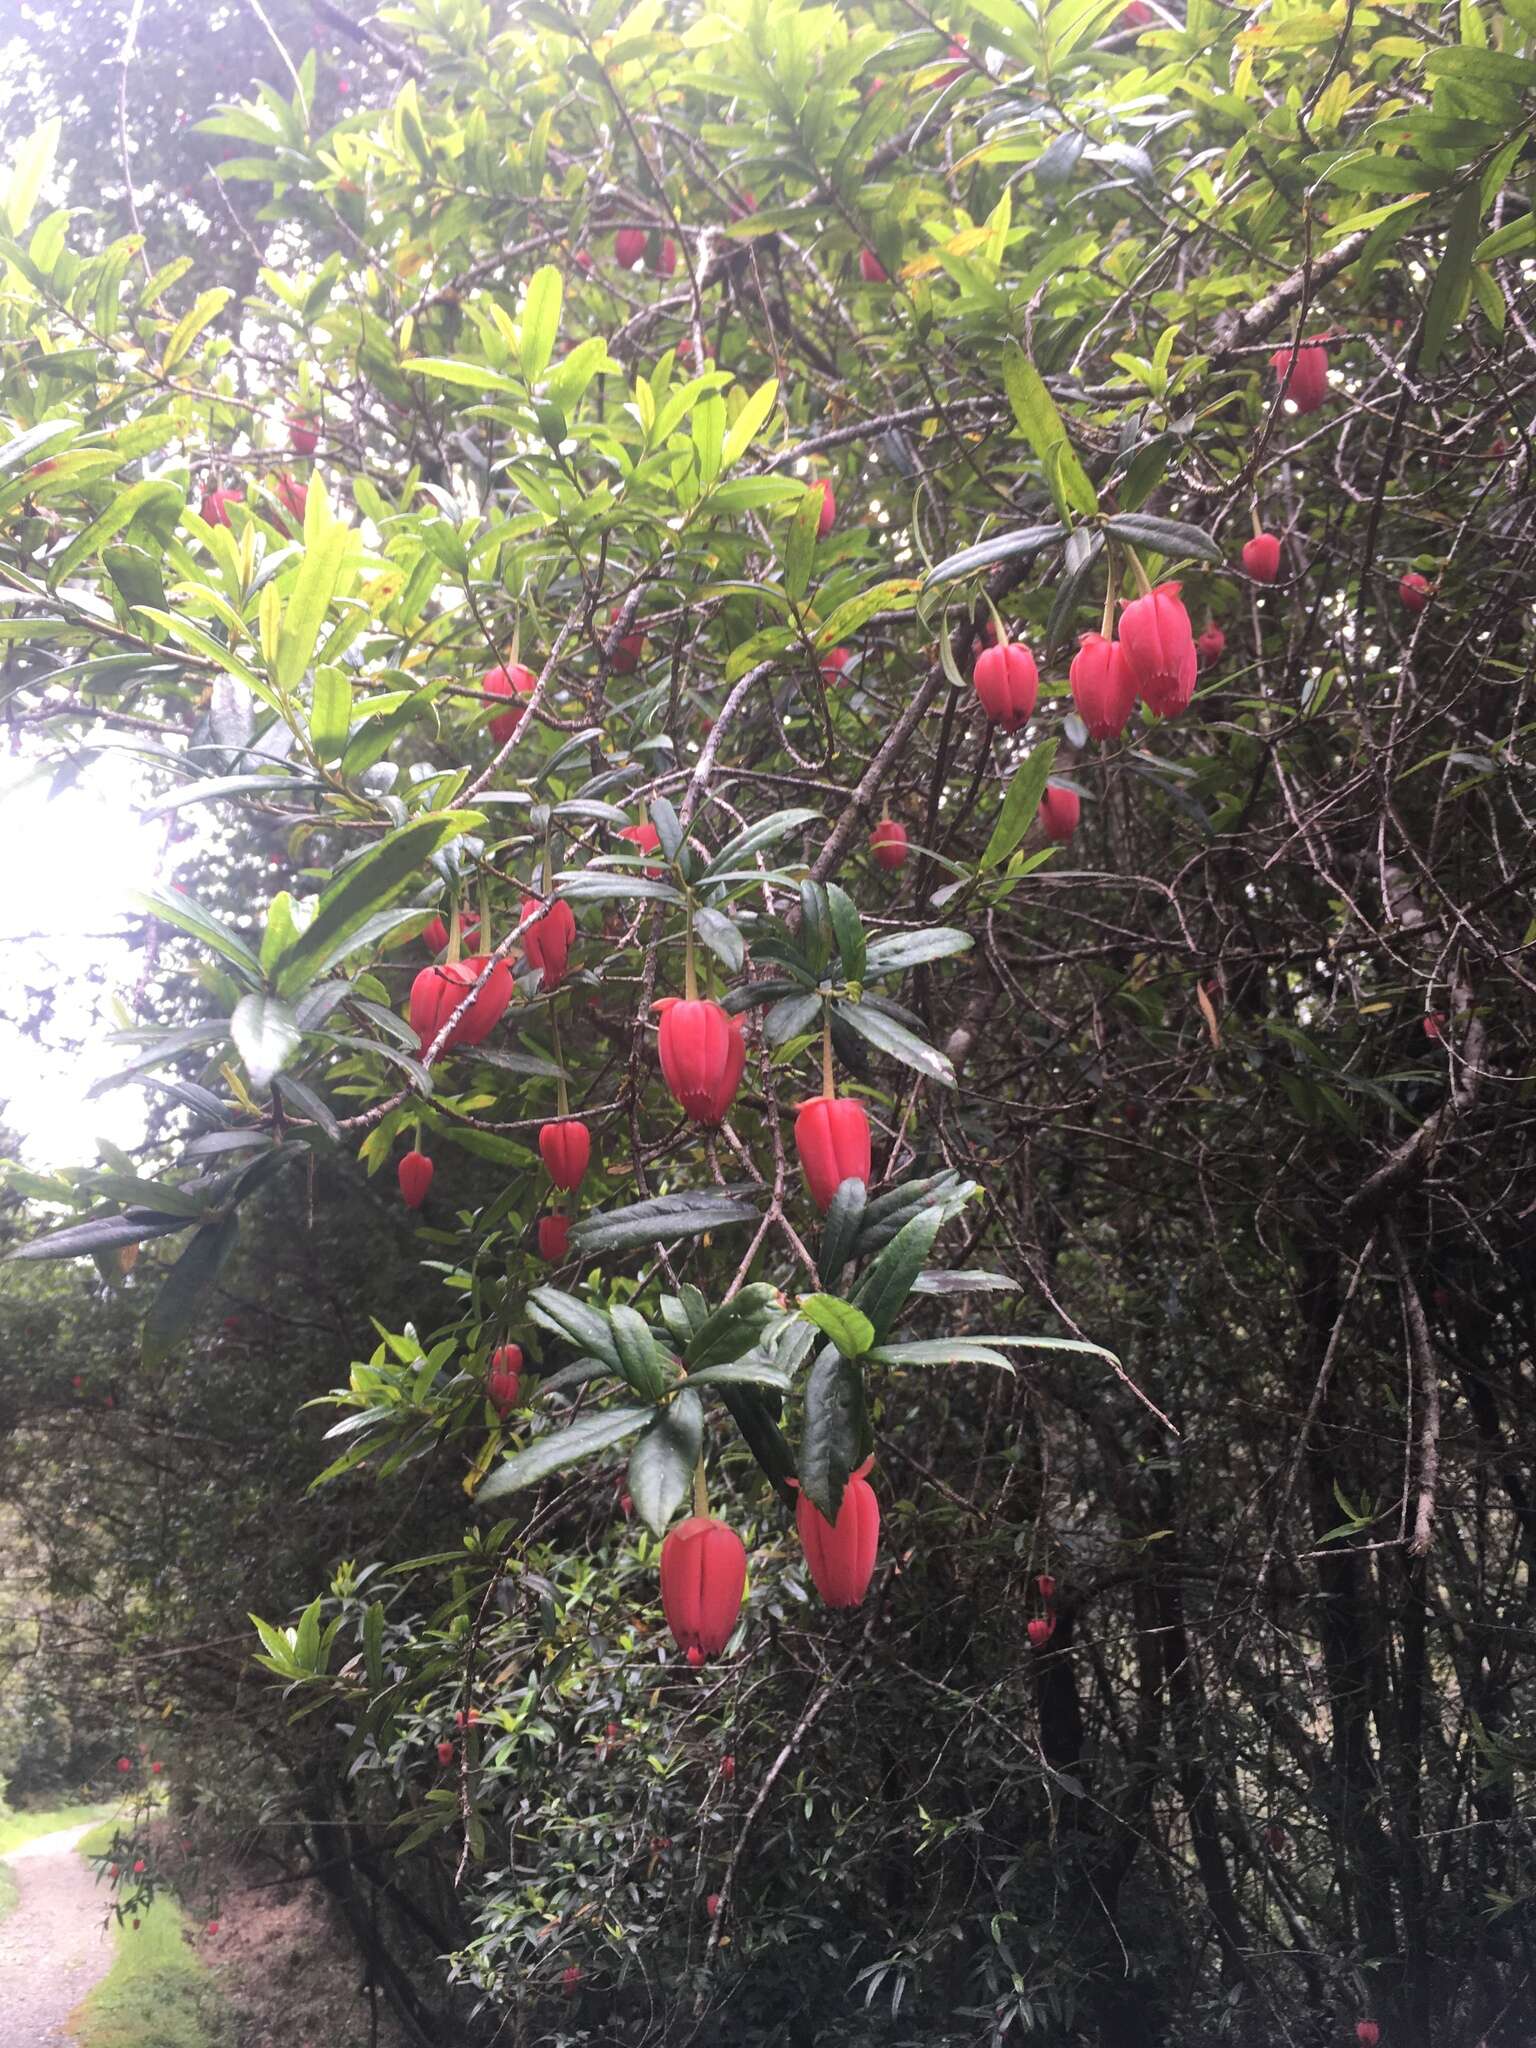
<point>157,1994</point>
<point>16,1828</point>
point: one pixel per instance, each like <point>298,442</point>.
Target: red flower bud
<point>415,1173</point>
<point>124,1763</point>
<point>1433,1022</point>
<point>501,1382</point>
<point>435,935</point>
<point>515,681</point>
<point>666,257</point>
<point>629,247</point>
<point>571,1979</point>
<point>1058,812</point>
<point>216,504</point>
<point>703,1578</point>
<point>646,839</point>
<point>702,1056</point>
<point>1007,682</point>
<point>1103,688</point>
<point>625,658</point>
<point>1414,590</point>
<point>213,1926</point>
<point>1045,1586</point>
<point>138,1868</point>
<point>888,844</point>
<point>438,991</point>
<point>583,259</point>
<point>1308,386</point>
<point>832,1139</point>
<point>1159,649</point>
<point>565,1149</point>
<point>871,269</point>
<point>292,496</point>
<point>712,1905</point>
<point>1261,557</point>
<point>832,665</point>
<point>828,513</point>
<point>1137,15</point>
<point>957,48</point>
<point>727,1767</point>
<point>554,1238</point>
<point>1367,2033</point>
<point>303,433</point>
<point>841,1554</point>
<point>469,1720</point>
<point>1040,1630</point>
<point>547,944</point>
<point>445,1751</point>
<point>1211,646</point>
<point>157,1769</point>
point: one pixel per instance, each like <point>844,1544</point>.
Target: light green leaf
<point>1041,425</point>
<point>541,321</point>
<point>1020,805</point>
<point>848,1327</point>
<point>749,422</point>
<point>266,1037</point>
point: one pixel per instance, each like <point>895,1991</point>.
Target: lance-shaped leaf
<point>848,1327</point>
<point>890,1037</point>
<point>200,924</point>
<point>1169,536</point>
<point>840,1230</point>
<point>835,1437</point>
<point>101,1234</point>
<point>1021,804</point>
<point>662,1461</point>
<point>186,1287</point>
<point>661,1218</point>
<point>1003,547</point>
<point>883,1288</point>
<point>899,950</point>
<point>564,1447</point>
<point>266,1036</point>
<point>733,1328</point>
<point>583,1327</point>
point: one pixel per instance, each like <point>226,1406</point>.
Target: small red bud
<point>1059,812</point>
<point>415,1174</point>
<point>827,516</point>
<point>1367,2033</point>
<point>1040,1631</point>
<point>445,1751</point>
<point>712,1905</point>
<point>888,844</point>
<point>1007,683</point>
<point>1415,592</point>
<point>871,269</point>
<point>1261,557</point>
<point>1045,1586</point>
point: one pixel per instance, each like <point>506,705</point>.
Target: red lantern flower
<point>1367,2033</point>
<point>1433,1024</point>
<point>216,504</point>
<point>1211,646</point>
<point>554,1238</point>
<point>666,257</point>
<point>445,1751</point>
<point>213,1926</point>
<point>841,1554</point>
<point>888,843</point>
<point>138,1868</point>
<point>1261,557</point>
<point>1103,688</point>
<point>124,1763</point>
<point>1045,1586</point>
<point>570,1979</point>
<point>292,496</point>
<point>504,1378</point>
<point>1040,1630</point>
<point>827,516</point>
<point>1059,812</point>
<point>727,1768</point>
<point>871,269</point>
<point>566,1149</point>
<point>157,1769</point>
<point>547,944</point>
<point>645,838</point>
<point>1159,646</point>
<point>415,1174</point>
<point>832,1139</point>
<point>469,1720</point>
<point>1308,386</point>
<point>833,662</point>
<point>702,1056</point>
<point>712,1905</point>
<point>435,935</point>
<point>303,433</point>
<point>437,992</point>
<point>1007,682</point>
<point>1414,591</point>
<point>515,681</point>
<point>703,1578</point>
<point>629,247</point>
<point>625,658</point>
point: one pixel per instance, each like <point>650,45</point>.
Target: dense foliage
<point>572,522</point>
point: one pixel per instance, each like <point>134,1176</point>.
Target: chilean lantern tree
<point>841,697</point>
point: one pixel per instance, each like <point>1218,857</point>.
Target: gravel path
<point>54,1946</point>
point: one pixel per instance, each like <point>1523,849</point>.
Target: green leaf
<point>186,1287</point>
<point>266,1037</point>
<point>1003,547</point>
<point>552,1453</point>
<point>541,321</point>
<point>723,938</point>
<point>209,305</point>
<point>44,435</point>
<point>742,1372</point>
<point>662,1461</point>
<point>840,1230</point>
<point>911,949</point>
<point>890,1037</point>
<point>766,832</point>
<point>29,170</point>
<point>362,891</point>
<point>100,1234</point>
<point>200,924</point>
<point>1041,425</point>
<point>884,1286</point>
<point>584,1327</point>
<point>1020,805</point>
<point>835,1435</point>
<point>325,557</point>
<point>941,1351</point>
<point>848,1327</point>
<point>468,376</point>
<point>660,1219</point>
<point>640,1356</point>
<point>800,546</point>
<point>749,422</point>
<point>1169,536</point>
<point>123,508</point>
<point>733,1328</point>
<point>899,595</point>
<point>595,885</point>
<point>330,717</point>
<point>1447,295</point>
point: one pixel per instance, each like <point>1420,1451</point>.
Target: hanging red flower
<point>871,269</point>
<point>888,844</point>
<point>1103,688</point>
<point>827,516</point>
<point>702,1056</point>
<point>666,257</point>
<point>833,662</point>
<point>1414,591</point>
<point>437,992</point>
<point>1007,683</point>
<point>504,1377</point>
<point>645,839</point>
<point>1261,557</point>
<point>703,1578</point>
<point>1045,1586</point>
<point>1211,646</point>
<point>841,1554</point>
<point>554,1238</point>
<point>629,247</point>
<point>1159,646</point>
<point>216,504</point>
<point>303,433</point>
<point>1040,1630</point>
<point>515,681</point>
<point>625,658</point>
<point>415,1176</point>
<point>1308,386</point>
<point>1367,2033</point>
<point>547,944</point>
<point>291,495</point>
<point>435,935</point>
<point>1059,812</point>
<point>832,1139</point>
<point>566,1149</point>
